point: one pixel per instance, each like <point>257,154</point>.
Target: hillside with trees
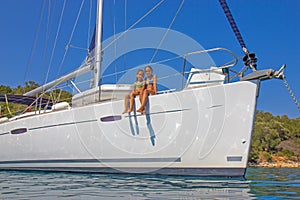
<point>56,96</point>
<point>275,138</point>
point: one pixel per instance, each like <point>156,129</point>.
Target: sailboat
<point>201,128</point>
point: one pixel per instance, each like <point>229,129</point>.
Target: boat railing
<point>221,69</point>
<point>187,75</point>
<point>201,77</point>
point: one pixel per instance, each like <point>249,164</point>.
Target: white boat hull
<point>202,131</point>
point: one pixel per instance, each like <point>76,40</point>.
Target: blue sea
<point>259,183</point>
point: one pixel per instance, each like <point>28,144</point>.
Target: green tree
<point>5,89</point>
<point>55,95</point>
<point>274,135</point>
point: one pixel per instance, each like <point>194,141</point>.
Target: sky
<point>270,28</point>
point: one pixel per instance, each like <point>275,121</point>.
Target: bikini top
<point>138,85</point>
<point>149,80</point>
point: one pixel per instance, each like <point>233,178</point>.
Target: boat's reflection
<point>120,186</point>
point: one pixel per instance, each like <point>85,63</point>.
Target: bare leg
<point>144,101</point>
<point>141,97</point>
<point>132,96</point>
<point>127,97</point>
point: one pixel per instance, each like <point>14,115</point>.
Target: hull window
<point>18,131</point>
<point>234,158</point>
<point>111,118</point>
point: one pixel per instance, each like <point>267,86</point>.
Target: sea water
<point>259,183</point>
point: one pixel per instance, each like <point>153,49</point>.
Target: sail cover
<point>26,100</point>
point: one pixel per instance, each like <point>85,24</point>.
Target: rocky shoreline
<point>277,162</point>
<point>276,165</point>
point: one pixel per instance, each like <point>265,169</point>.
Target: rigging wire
<point>49,17</point>
<point>134,24</point>
<point>76,47</point>
<point>167,31</point>
<point>29,63</point>
<point>231,63</point>
<point>240,73</point>
<point>125,26</point>
<point>115,44</point>
<point>71,37</point>
<point>55,41</point>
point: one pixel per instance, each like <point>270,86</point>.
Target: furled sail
<point>91,49</point>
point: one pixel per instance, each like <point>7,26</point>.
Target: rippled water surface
<point>260,183</point>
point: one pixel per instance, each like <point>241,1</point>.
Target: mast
<point>98,43</point>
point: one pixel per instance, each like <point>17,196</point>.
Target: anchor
<point>265,74</point>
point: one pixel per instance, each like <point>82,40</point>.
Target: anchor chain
<point>291,93</point>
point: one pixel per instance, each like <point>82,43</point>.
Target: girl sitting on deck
<point>138,88</point>
<point>150,88</point>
